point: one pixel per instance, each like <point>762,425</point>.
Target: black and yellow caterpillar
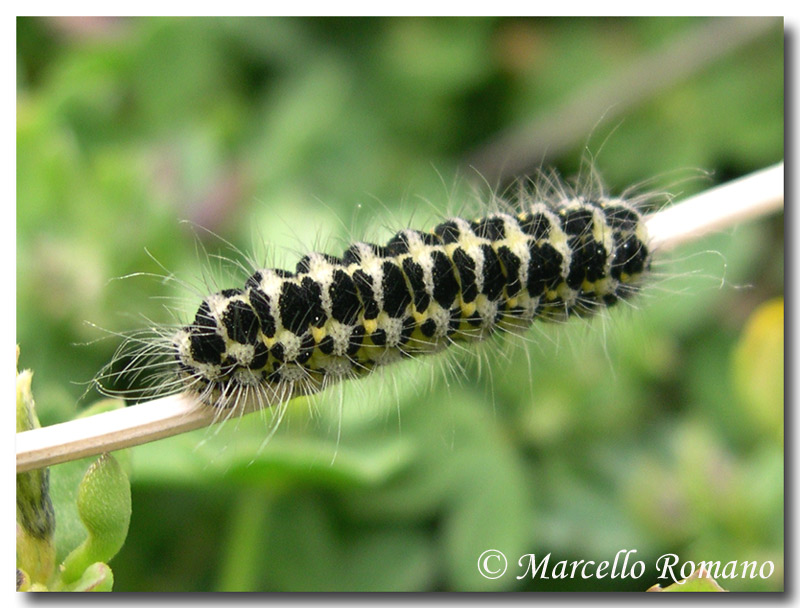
<point>335,318</point>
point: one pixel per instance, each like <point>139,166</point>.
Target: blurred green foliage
<point>635,431</point>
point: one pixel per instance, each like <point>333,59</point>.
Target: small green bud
<point>698,581</point>
<point>104,506</point>
<point>97,577</point>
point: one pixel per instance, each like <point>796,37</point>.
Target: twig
<point>755,195</point>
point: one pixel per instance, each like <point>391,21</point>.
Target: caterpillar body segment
<point>333,318</point>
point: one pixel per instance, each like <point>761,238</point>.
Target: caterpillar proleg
<point>287,333</point>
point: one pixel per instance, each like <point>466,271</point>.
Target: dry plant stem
<point>746,198</point>
<point>755,195</point>
<point>110,431</point>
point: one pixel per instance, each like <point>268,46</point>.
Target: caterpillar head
<point>222,344</point>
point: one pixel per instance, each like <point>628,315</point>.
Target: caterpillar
<point>284,334</point>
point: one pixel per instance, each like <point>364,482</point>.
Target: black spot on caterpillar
<point>284,334</point>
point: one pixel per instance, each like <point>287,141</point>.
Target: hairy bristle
<point>287,333</point>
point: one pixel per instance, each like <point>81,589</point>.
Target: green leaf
<point>303,537</point>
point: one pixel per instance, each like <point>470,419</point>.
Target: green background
<point>658,427</point>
